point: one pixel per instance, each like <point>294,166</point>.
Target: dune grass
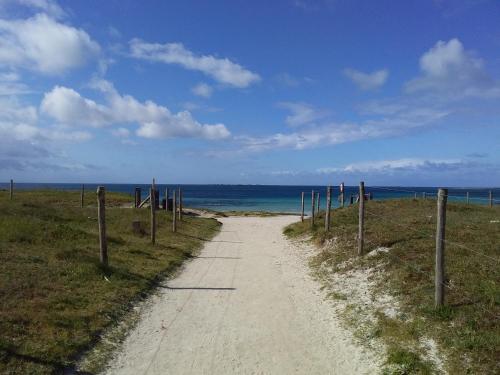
<point>56,299</point>
<point>467,329</point>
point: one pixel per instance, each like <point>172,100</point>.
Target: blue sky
<point>282,92</point>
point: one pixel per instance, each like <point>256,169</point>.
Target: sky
<point>392,92</point>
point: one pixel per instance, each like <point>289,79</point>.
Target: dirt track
<point>246,305</point>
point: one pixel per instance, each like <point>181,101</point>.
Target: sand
<point>245,305</point>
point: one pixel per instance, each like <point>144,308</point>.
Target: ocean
<point>272,198</point>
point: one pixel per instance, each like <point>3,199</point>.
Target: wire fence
<point>430,226</point>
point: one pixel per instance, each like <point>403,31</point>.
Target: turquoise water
<point>272,198</point>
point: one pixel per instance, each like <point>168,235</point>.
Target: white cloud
<point>337,133</point>
<point>367,81</point>
<point>68,107</point>
<point>47,6</point>
<point>222,70</point>
<point>42,44</point>
<point>203,90</point>
<point>448,69</point>
<point>391,166</point>
<point>302,113</point>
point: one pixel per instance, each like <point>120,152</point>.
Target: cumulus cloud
<point>302,113</point>
<point>367,81</point>
<point>222,70</point>
<point>449,69</point>
<point>68,107</point>
<point>45,45</point>
<point>26,145</point>
<point>203,90</point>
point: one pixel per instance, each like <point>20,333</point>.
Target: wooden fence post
<point>342,194</point>
<point>491,198</point>
<point>166,199</point>
<point>137,197</point>
<point>328,206</point>
<point>180,204</point>
<point>101,218</point>
<point>152,192</point>
<point>317,203</point>
<point>82,195</point>
<point>11,189</point>
<point>415,195</point>
<point>440,243</point>
<point>302,212</point>
<point>312,208</point>
<point>361,229</point>
<point>174,211</point>
<point>467,198</point>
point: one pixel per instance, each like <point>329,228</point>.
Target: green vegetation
<point>467,329</point>
<point>55,297</point>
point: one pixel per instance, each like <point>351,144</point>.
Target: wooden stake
<point>328,207</point>
<point>361,229</point>
<point>82,195</point>
<point>317,201</point>
<point>11,189</point>
<point>491,198</point>
<point>101,218</point>
<point>467,198</point>
<point>312,208</point>
<point>415,195</point>
<point>440,242</point>
<point>137,200</point>
<point>174,212</point>
<point>152,193</point>
<point>342,195</point>
<point>180,204</point>
<point>302,212</point>
<point>166,199</point>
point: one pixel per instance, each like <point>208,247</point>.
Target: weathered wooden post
<point>328,207</point>
<point>491,198</point>
<point>302,212</point>
<point>180,204</point>
<point>82,195</point>
<point>342,194</point>
<point>317,203</point>
<point>361,229</point>
<point>11,189</point>
<point>174,211</point>
<point>166,199</point>
<point>467,198</point>
<point>152,193</point>
<point>312,208</point>
<point>415,195</point>
<point>440,243</point>
<point>101,218</point>
<point>137,197</point>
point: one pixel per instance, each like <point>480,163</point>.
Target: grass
<point>56,299</point>
<point>467,328</point>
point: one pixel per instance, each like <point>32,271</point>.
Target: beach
<point>246,304</point>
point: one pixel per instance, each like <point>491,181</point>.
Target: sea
<point>272,198</point>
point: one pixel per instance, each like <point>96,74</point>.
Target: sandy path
<point>246,305</point>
